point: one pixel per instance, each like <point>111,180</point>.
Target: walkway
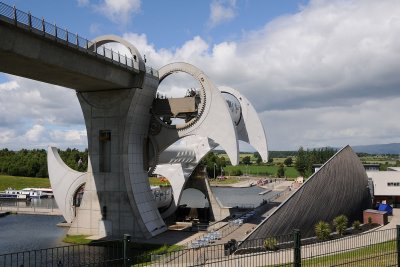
<point>378,235</point>
<point>31,210</point>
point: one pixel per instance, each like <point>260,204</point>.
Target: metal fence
<point>99,253</point>
<point>375,248</point>
<point>32,207</point>
<point>50,31</point>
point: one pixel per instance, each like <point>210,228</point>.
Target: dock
<point>265,192</point>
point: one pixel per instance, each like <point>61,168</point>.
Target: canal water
<point>244,197</point>
<point>247,197</point>
<point>30,232</point>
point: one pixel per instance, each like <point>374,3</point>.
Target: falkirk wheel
<point>130,136</point>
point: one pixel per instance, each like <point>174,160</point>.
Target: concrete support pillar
<point>117,198</point>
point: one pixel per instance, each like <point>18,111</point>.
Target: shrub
<point>236,172</point>
<point>271,243</point>
<point>322,230</point>
<point>340,224</point>
<point>369,220</point>
<point>357,225</point>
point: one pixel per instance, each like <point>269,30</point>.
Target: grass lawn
<point>77,239</point>
<point>261,170</point>
<point>17,182</point>
<point>383,254</point>
<point>230,180</point>
<point>378,255</point>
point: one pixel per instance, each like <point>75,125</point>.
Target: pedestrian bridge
<point>33,48</point>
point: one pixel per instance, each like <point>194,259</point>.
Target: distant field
<point>261,170</point>
<point>253,159</point>
<point>16,182</point>
<point>379,160</point>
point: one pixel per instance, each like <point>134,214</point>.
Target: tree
<point>340,224</point>
<point>246,160</point>
<point>258,158</point>
<point>212,161</point>
<point>301,162</point>
<point>33,163</point>
<point>288,161</point>
<point>357,225</point>
<point>271,243</point>
<point>322,230</point>
<point>281,171</point>
<point>306,159</point>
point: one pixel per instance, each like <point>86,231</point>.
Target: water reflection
<point>28,232</point>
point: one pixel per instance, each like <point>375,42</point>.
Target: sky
<point>319,73</point>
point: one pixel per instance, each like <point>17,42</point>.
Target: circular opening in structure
<point>234,106</point>
<point>178,99</point>
<point>193,206</point>
<point>194,198</point>
<point>78,196</point>
<point>162,192</point>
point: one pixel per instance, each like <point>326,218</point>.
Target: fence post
<point>127,240</point>
<point>15,15</point>
<point>30,21</point>
<point>398,244</point>
<point>296,248</point>
<point>43,27</point>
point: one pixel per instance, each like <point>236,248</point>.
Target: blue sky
<point>167,24</point>
<point>318,72</point>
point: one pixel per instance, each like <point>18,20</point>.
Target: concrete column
<point>117,198</point>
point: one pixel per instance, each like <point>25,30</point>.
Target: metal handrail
<point>33,24</point>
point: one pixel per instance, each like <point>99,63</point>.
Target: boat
<point>26,193</point>
<point>13,194</point>
<point>38,192</point>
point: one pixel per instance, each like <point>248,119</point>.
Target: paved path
<point>216,257</point>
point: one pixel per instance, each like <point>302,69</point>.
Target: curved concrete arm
<point>64,182</point>
<point>105,39</point>
<point>249,128</point>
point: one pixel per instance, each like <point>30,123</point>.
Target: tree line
<point>33,163</point>
<point>305,159</point>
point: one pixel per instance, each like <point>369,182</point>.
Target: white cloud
<point>221,11</point>
<point>83,2</point>
<point>326,75</point>
<point>118,11</point>
<point>330,55</point>
<point>8,86</point>
<point>69,135</point>
<point>30,111</point>
<point>34,134</point>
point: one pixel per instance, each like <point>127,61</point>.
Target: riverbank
<point>44,206</point>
